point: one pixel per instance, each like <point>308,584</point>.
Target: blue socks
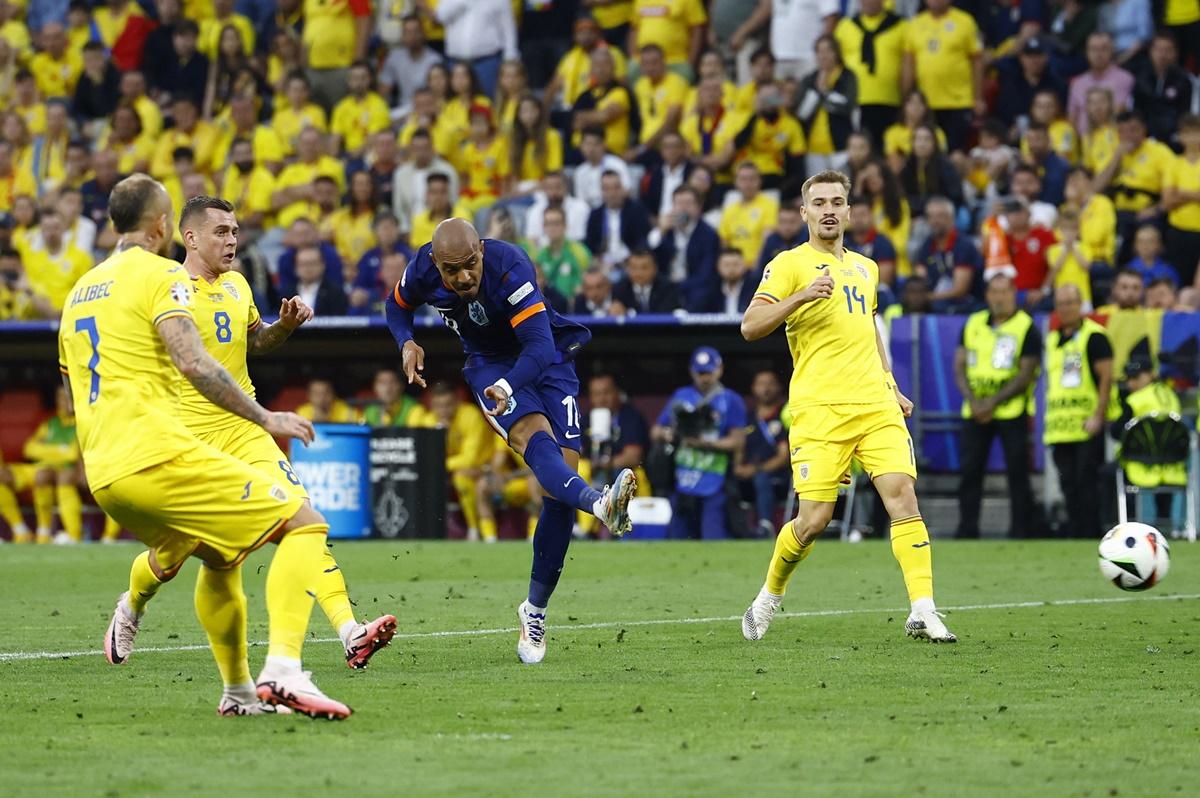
<point>550,542</point>
<point>545,460</point>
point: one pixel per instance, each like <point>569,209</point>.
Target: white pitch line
<point>13,656</point>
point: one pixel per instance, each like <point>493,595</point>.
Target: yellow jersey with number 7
<point>225,314</point>
<point>125,386</point>
<point>835,359</point>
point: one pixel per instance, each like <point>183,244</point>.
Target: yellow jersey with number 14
<point>835,359</point>
<point>125,386</point>
<point>225,314</point>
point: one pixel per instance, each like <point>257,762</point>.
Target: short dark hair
<point>642,252</point>
<point>199,207</point>
<point>1128,272</point>
<point>183,152</point>
<point>650,48</point>
<point>1023,168</point>
<point>186,27</point>
<point>551,209</point>
<point>131,200</point>
<point>762,52</point>
<point>1131,116</point>
<point>92,47</point>
<point>610,173</point>
<point>420,133</point>
<point>730,251</point>
<point>1162,281</point>
<point>594,131</point>
<point>686,189</point>
<point>436,177</point>
<point>384,216</point>
<point>324,179</point>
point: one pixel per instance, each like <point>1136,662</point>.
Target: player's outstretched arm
<point>400,322</point>
<point>763,316</point>
<point>182,340</point>
<point>267,337</point>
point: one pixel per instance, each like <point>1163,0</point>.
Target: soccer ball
<point>1134,556</point>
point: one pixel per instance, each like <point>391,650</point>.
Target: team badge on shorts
<point>804,471</point>
<point>477,314</point>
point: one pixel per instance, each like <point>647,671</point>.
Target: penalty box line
<point>16,656</point>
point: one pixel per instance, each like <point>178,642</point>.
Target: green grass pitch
<point>1061,685</point>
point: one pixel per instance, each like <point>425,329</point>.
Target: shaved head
<point>458,256</point>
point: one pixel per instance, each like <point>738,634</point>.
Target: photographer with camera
<point>703,425</point>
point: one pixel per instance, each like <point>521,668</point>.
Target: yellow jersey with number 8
<point>835,359</point>
<point>125,386</point>
<point>225,314</point>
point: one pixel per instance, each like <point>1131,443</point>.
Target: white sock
<point>597,505</point>
<point>128,610</point>
<point>923,605</point>
<point>280,665</point>
<point>533,609</point>
<point>767,594</point>
<point>43,531</point>
<point>242,693</point>
<point>19,530</point>
<point>344,631</point>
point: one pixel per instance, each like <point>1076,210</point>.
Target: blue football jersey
<point>508,295</point>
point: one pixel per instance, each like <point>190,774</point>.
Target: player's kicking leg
<point>554,467</point>
<point>911,547</point>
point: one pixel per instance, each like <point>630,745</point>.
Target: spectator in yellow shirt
<point>1135,177</point>
<point>1181,198</point>
<point>606,103</point>
<point>897,139</point>
<point>249,187</point>
<point>189,130</point>
<point>571,76</point>
<point>1069,264</point>
<point>438,208</point>
<point>294,190</point>
<point>469,447</point>
<point>944,59</point>
<point>224,16</point>
<point>483,163</point>
<point>660,97</point>
<point>747,220</point>
<point>361,113</point>
<point>127,138</point>
<point>353,223</point>
<point>335,36</point>
<point>677,26</point>
<point>53,472</point>
<point>1047,110</point>
<point>243,124</point>
<point>425,116</point>
<point>465,94</point>
<point>1101,141</point>
<point>111,18</point>
<point>511,86</point>
<point>53,268</point>
<point>771,138</point>
<point>298,113</point>
<point>324,406</point>
<point>26,102</point>
<point>47,160</point>
<point>872,45</point>
<point>56,68</point>
<point>536,148</point>
<point>133,92</point>
<point>1097,217</point>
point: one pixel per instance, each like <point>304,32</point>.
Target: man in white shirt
<point>795,27</point>
<point>408,188</point>
<point>553,194</point>
<point>406,67</point>
<point>597,161</point>
<point>480,33</point>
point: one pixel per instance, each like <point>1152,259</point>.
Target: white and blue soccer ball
<point>1134,556</point>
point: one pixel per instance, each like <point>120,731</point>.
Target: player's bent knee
<point>307,516</point>
<point>65,477</point>
<point>526,428</point>
<point>811,520</point>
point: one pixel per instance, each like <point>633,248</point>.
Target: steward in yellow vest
<point>1147,395</point>
<point>1078,391</point>
<point>995,367</point>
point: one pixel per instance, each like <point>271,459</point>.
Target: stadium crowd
<point>647,154</point>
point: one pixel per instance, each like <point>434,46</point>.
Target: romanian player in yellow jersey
<point>843,402</point>
<point>127,333</point>
<point>231,328</point>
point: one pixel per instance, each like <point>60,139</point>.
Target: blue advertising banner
<point>334,471</point>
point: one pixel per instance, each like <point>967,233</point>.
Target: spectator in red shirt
<point>1027,247</point>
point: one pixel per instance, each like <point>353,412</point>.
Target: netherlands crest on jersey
<point>477,314</point>
<point>231,288</point>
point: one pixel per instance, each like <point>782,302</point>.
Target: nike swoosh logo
<point>571,437</point>
<point>920,545</point>
<point>569,481</point>
<point>790,562</point>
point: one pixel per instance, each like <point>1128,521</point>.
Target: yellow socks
<point>465,487</point>
<point>331,592</point>
<point>487,528</point>
<point>788,554</point>
<point>291,587</point>
<point>70,511</point>
<point>143,584</point>
<point>10,511</point>
<point>910,545</point>
<point>43,507</point>
<point>221,608</point>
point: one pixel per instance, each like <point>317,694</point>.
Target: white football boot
<point>122,629</point>
<point>927,625</point>
<point>531,645</point>
<point>231,707</point>
<point>612,509</point>
<point>759,614</point>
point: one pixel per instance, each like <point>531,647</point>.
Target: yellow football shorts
<point>23,474</point>
<point>824,439</point>
<point>250,443</point>
<point>204,502</point>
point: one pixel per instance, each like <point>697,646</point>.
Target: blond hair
<point>827,176</point>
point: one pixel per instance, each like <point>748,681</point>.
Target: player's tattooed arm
<point>210,378</point>
<point>267,337</point>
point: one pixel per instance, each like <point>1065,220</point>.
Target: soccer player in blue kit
<point>520,370</point>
